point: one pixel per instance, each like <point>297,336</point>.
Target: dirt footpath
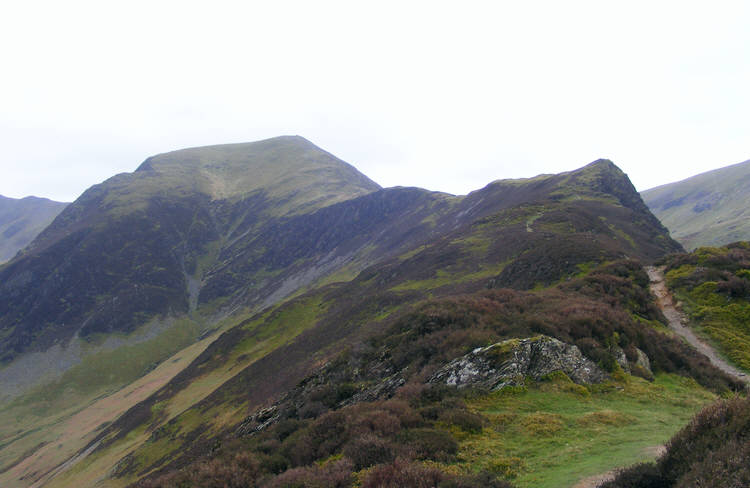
<point>677,321</point>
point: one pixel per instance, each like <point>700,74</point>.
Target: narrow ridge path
<point>677,321</point>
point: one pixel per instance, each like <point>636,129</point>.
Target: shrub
<point>463,419</point>
<point>712,450</point>
<point>275,463</point>
<point>332,475</point>
<point>380,422</point>
<point>400,474</point>
<point>507,467</point>
<point>480,480</point>
<point>734,287</point>
<point>367,451</point>
<point>429,443</point>
<point>645,475</point>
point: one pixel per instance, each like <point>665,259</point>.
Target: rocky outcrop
<point>509,362</point>
<point>640,367</point>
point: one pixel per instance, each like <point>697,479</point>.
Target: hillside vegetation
<point>320,432</point>
<point>710,209</point>
<point>713,285</point>
<point>238,330</point>
<point>528,234</point>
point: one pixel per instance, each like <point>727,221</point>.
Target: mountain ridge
<point>271,281</point>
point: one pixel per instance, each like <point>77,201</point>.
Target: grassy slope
<point>713,285</point>
<point>53,421</point>
<point>710,209</point>
<point>264,334</point>
<point>464,261</point>
<point>712,450</point>
<point>554,434</point>
<point>21,220</point>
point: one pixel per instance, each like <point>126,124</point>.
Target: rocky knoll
<point>508,362</point>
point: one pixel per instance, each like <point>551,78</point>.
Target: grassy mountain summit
<point>138,244</point>
<point>709,209</point>
<point>21,220</point>
<point>288,169</point>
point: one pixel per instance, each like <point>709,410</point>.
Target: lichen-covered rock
<point>621,358</point>
<point>507,363</point>
<point>643,360</point>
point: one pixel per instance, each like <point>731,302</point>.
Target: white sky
<point>443,95</point>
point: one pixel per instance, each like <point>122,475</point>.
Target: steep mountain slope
<point>527,234</point>
<point>21,220</point>
<point>710,209</point>
<point>137,246</point>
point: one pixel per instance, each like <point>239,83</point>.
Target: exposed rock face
<point>507,363</point>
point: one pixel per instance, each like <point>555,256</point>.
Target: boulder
<point>643,360</point>
<point>509,362</point>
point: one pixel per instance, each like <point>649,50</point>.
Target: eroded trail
<point>677,321</point>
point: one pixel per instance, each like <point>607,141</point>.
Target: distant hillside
<point>710,209</point>
<point>21,220</point>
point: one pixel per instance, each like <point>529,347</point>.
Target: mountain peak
<point>281,166</point>
<point>288,168</point>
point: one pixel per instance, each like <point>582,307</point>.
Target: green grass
<point>444,278</point>
<point>724,322</point>
<point>553,434</point>
<point>32,419</point>
<point>721,319</point>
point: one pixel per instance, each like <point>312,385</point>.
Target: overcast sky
<point>443,95</point>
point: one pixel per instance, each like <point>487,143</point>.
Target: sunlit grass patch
<point>548,437</point>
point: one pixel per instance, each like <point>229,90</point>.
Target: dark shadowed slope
<point>21,220</point>
<point>710,209</point>
<point>138,245</point>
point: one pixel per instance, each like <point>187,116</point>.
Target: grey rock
<point>643,361</point>
<point>621,358</point>
<point>259,420</point>
<point>508,362</point>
